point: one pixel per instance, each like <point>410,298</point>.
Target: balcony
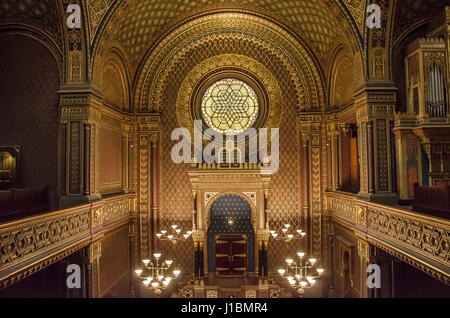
<point>418,239</point>
<point>33,243</point>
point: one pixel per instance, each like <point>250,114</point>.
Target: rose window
<point>230,104</point>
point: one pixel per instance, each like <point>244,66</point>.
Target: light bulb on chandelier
<point>286,235</point>
<point>175,236</point>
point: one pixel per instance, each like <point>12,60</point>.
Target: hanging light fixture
<point>175,236</point>
<point>154,275</point>
<point>301,274</point>
<point>287,234</point>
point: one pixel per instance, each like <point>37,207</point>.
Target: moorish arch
<point>231,214</point>
<point>115,81</point>
<point>210,30</point>
<point>238,42</point>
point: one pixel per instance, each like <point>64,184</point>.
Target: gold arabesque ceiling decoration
<point>140,24</point>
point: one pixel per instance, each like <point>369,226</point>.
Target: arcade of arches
<point>360,168</point>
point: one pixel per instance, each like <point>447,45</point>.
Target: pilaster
<point>334,153</point>
<point>93,277</point>
<point>81,121</point>
<point>309,126</point>
<point>148,137</point>
<point>375,111</point>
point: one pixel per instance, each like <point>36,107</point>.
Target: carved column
<point>329,255</point>
<point>93,271</point>
<point>81,120</point>
<point>148,125</point>
<point>364,256</point>
<point>334,146</point>
<point>375,110</point>
<point>126,154</point>
<point>133,237</point>
<point>310,129</point>
<point>154,174</point>
<point>199,259</point>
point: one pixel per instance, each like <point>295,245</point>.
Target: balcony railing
<point>421,237</point>
<point>27,241</point>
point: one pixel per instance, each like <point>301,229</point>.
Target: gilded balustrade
<point>30,244</point>
<point>421,240</point>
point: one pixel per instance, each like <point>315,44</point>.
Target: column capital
<point>345,128</point>
<point>376,102</point>
<point>309,121</point>
<point>127,125</point>
<point>333,126</point>
<point>309,125</point>
<point>80,103</point>
<point>149,122</point>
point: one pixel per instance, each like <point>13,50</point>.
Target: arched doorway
<point>231,237</point>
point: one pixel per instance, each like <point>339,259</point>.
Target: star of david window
<point>230,104</point>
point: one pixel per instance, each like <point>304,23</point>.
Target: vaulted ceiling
<point>139,23</point>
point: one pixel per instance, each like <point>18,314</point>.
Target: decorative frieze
<point>82,113</point>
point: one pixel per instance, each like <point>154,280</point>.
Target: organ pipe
<point>436,93</point>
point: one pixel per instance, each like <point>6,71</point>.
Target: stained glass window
<point>230,104</point>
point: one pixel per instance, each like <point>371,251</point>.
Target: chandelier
<point>154,275</point>
<point>286,235</point>
<point>175,237</point>
<point>301,274</point>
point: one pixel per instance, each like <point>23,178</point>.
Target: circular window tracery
<point>230,104</point>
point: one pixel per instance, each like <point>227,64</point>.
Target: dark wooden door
<point>231,255</point>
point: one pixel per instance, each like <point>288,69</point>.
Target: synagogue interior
<point>224,149</point>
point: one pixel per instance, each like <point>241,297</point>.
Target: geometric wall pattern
<point>96,11</point>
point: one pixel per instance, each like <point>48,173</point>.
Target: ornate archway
<point>230,214</point>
